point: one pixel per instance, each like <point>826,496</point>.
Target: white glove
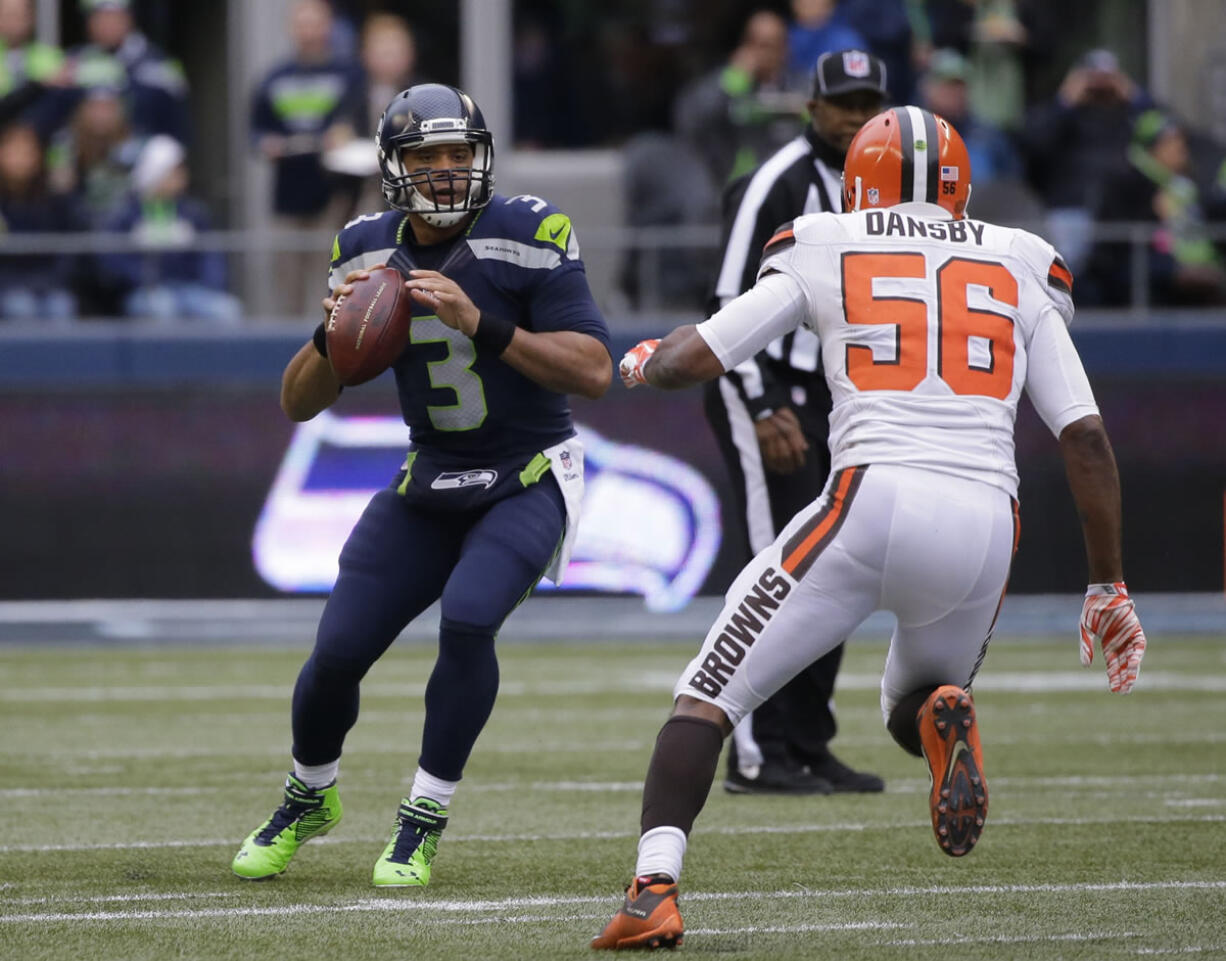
<point>1108,616</point>
<point>631,366</point>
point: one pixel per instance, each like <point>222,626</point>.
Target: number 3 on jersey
<point>974,345</point>
<point>454,372</point>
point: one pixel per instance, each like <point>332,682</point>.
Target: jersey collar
<point>917,208</point>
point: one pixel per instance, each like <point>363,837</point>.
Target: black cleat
<point>843,779</point>
<point>774,777</point>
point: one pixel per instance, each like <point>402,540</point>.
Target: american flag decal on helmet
<point>949,173</point>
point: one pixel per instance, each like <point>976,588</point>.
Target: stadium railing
<point>643,252</point>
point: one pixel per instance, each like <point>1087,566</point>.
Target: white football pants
<point>932,548</point>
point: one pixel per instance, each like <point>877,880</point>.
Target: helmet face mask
<point>904,155</point>
<point>433,115</point>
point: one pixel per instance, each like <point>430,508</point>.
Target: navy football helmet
<point>427,114</point>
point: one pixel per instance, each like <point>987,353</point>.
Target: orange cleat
<point>648,920</point>
<point>959,797</point>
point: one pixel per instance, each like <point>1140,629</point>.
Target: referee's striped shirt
<point>803,176</point>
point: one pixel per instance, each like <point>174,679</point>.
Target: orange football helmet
<point>907,154</point>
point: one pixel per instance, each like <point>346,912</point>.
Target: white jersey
<point>930,329</point>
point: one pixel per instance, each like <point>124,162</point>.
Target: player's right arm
<point>693,354</point>
<point>1108,616</point>
<point>1057,385</point>
<point>1060,391</point>
<point>1094,481</point>
<point>308,384</point>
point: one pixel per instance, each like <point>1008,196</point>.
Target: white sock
<point>661,851</point>
<point>316,775</point>
<point>426,784</point>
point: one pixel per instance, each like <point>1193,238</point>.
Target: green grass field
<point>131,775</point>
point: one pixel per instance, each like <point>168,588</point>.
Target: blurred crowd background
<point>173,172</point>
<point>187,161</point>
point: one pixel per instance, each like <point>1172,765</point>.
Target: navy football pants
<point>399,559</point>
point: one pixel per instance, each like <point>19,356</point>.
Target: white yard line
<point>422,908</point>
<point>280,750</point>
<point>1029,682</point>
<point>39,750</point>
<point>895,786</point>
<point>798,928</point>
<point>741,829</point>
<point>125,898</point>
<point>1166,790</point>
<point>1011,939</point>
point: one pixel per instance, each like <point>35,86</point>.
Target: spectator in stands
<point>1157,187</point>
<point>310,104</point>
<point>91,159</point>
<point>818,26</point>
<point>887,28</point>
<point>738,115</point>
<point>33,286</point>
<point>944,92</point>
<point>1076,142</point>
<point>168,278</point>
<point>389,60</point>
<point>1003,41</point>
<point>543,95</point>
<point>153,85</point>
<point>28,69</point>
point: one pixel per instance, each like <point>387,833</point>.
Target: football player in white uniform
<point>931,326</point>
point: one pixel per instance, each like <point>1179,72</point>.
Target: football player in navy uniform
<point>504,326</point>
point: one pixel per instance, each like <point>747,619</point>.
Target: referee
<point>770,417</point>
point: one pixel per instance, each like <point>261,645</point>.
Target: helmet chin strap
<point>428,211</point>
<point>859,193</point>
<point>448,219</point>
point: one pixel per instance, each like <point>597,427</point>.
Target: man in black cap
<point>770,417</point>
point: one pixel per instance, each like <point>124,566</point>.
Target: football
<point>369,328</point>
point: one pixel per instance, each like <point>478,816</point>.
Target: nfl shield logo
<point>856,63</point>
<point>874,196</point>
<point>565,460</point>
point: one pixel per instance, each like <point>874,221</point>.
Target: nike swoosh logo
<point>555,234</point>
<point>954,756</point>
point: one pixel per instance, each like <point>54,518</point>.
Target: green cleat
<point>406,860</point>
<point>304,814</point>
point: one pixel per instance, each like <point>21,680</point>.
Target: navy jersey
<point>518,260</point>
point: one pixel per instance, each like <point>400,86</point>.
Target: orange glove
<point>631,367</point>
<point>1108,616</point>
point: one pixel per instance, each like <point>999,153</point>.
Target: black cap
<point>843,71</point>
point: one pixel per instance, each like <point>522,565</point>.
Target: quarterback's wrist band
<point>320,340</point>
<point>493,333</point>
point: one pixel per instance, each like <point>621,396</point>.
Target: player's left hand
<point>631,366</point>
<point>1109,617</point>
<point>446,298</point>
